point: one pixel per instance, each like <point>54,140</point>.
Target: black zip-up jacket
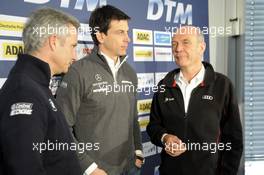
<point>212,121</point>
<point>30,120</point>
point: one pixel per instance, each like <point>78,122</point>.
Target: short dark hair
<point>101,18</point>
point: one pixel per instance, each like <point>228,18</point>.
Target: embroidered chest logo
<point>53,107</point>
<point>168,99</point>
<point>21,109</point>
<point>207,97</point>
<point>98,77</point>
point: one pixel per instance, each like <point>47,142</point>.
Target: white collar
<point>197,79</point>
<point>110,61</point>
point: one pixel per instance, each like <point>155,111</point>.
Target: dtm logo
<point>156,8</point>
<point>207,97</point>
<point>90,4</point>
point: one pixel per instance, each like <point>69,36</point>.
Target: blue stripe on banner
<point>5,67</point>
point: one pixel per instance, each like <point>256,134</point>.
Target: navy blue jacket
<point>212,118</point>
<point>31,121</point>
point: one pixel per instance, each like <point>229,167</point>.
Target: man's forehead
<point>186,31</point>
<point>118,24</point>
<point>178,36</point>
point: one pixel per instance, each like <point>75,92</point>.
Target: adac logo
<point>12,49</point>
<point>143,106</point>
<point>142,36</point>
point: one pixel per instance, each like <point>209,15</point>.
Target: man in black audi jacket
<point>35,139</point>
<point>194,115</point>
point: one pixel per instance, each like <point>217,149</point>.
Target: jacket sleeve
<point>69,96</point>
<point>136,129</point>
<point>231,133</point>
<point>23,128</point>
<point>155,128</point>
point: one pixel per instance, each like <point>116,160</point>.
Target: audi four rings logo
<point>207,97</point>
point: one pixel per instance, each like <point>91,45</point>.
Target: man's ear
<point>52,41</point>
<point>100,37</point>
<point>202,46</point>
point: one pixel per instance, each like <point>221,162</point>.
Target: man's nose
<point>177,47</point>
<point>74,57</point>
<point>127,38</point>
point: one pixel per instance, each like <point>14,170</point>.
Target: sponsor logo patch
<point>207,97</point>
<point>21,108</point>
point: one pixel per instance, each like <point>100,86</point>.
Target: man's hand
<point>98,171</point>
<point>139,163</point>
<point>173,145</point>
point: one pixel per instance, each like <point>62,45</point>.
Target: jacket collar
<point>96,53</point>
<point>209,76</point>
<point>33,67</point>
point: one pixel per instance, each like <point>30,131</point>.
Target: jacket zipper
<point>123,61</point>
<point>186,114</point>
<point>185,118</point>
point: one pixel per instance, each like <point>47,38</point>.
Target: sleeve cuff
<point>139,153</point>
<point>162,138</point>
<point>90,169</point>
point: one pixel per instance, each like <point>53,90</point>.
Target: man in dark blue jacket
<point>195,116</point>
<point>34,136</point>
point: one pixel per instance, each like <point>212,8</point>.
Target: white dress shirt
<point>113,66</point>
<point>186,87</point>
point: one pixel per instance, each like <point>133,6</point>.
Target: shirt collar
<point>110,61</point>
<point>196,80</point>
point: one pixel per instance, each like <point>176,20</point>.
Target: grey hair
<point>38,27</point>
<point>200,35</point>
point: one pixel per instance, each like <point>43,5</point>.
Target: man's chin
<point>65,70</point>
<point>123,54</point>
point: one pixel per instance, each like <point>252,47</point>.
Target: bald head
<point>188,47</point>
<point>190,30</point>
